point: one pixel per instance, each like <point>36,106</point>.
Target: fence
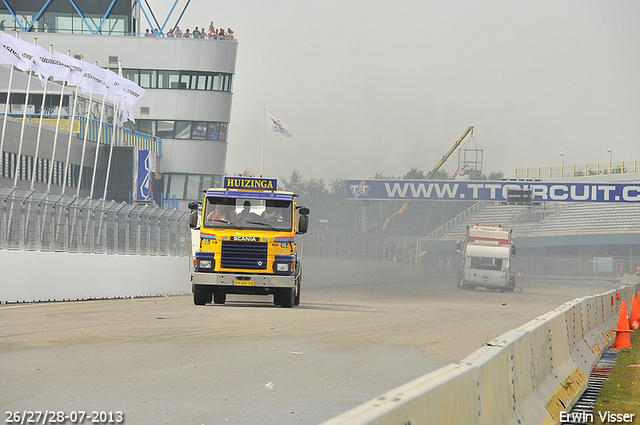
<point>36,221</point>
<point>124,136</point>
<point>579,170</point>
<point>356,246</point>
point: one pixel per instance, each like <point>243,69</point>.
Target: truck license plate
<point>243,282</point>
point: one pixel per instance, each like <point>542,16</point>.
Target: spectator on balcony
<point>187,34</point>
<point>170,32</point>
<point>148,34</point>
<point>229,33</point>
<point>196,33</point>
<point>178,32</point>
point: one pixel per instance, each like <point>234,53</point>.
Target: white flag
<point>73,65</point>
<point>93,79</point>
<point>132,91</point>
<point>8,53</point>
<point>30,54</point>
<point>274,125</point>
<point>115,90</point>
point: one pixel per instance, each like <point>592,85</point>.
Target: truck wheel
<point>287,297</point>
<point>201,295</point>
<point>219,297</point>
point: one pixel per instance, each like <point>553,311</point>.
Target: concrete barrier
<point>28,276</point>
<point>528,375</point>
<point>47,276</point>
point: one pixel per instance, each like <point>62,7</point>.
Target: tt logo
<point>359,189</point>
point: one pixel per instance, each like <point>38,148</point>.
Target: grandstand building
<point>558,237</point>
<point>186,108</point>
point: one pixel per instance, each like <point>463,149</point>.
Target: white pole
<point>73,116</point>
<point>113,141</point>
<point>7,106</point>
<point>35,158</point>
<point>84,144</point>
<point>24,119</point>
<point>113,136</point>
<point>95,162</point>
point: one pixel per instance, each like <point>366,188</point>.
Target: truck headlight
<point>204,264</point>
<point>283,267</point>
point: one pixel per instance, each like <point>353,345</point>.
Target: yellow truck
<point>248,242</point>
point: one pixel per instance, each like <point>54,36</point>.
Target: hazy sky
<point>370,86</point>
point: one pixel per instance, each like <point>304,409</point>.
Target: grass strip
<point>620,394</point>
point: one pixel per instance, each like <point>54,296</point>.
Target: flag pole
<point>95,162</point>
<point>24,119</point>
<point>35,159</point>
<point>262,151</point>
<point>113,136</point>
<point>7,106</point>
<point>84,143</point>
<point>73,115</point>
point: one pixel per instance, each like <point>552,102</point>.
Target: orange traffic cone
<point>634,318</point>
<point>623,333</point>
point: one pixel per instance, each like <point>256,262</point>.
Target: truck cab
<point>487,254</point>
<point>247,242</point>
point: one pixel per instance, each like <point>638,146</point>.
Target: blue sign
<point>496,191</point>
<point>250,183</point>
<point>146,168</point>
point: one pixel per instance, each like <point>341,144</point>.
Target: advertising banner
<point>146,169</point>
<point>496,191</point>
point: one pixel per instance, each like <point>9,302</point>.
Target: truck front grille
<point>244,255</point>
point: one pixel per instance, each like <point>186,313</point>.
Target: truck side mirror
<point>193,205</point>
<point>513,251</point>
<point>458,246</point>
<point>193,219</point>
<point>303,222</point>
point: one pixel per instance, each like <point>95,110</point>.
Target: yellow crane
<point>429,176</point>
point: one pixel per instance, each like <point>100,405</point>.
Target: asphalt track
<point>166,361</point>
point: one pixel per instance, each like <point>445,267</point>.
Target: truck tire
<point>287,297</point>
<point>219,297</point>
<point>201,295</point>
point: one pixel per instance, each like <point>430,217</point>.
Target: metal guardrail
<point>578,170</point>
<point>125,136</point>
<point>36,221</point>
<point>337,245</point>
<point>440,231</point>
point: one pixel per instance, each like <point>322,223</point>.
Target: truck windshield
<point>243,213</point>
<point>486,263</point>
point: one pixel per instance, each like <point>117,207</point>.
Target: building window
<point>194,130</point>
<point>189,186</point>
<point>181,80</point>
